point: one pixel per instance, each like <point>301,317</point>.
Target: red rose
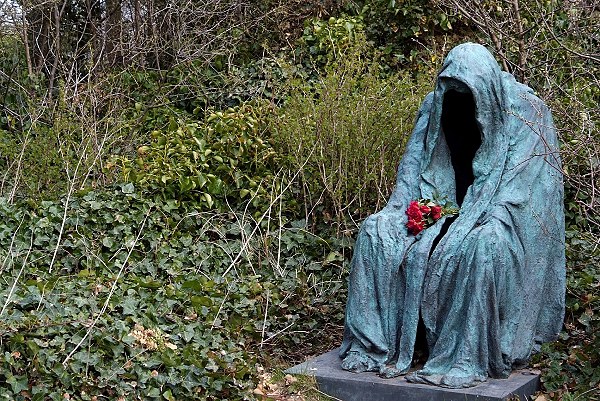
<point>415,227</point>
<point>425,209</point>
<point>436,212</point>
<point>414,212</point>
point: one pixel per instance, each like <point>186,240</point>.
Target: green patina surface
<point>488,285</point>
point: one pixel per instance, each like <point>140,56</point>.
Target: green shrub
<point>32,153</point>
<point>194,86</point>
<point>223,159</point>
<point>347,133</point>
<point>325,41</point>
<point>571,363</point>
<point>394,26</point>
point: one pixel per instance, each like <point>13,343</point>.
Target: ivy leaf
<point>18,383</point>
<point>128,188</point>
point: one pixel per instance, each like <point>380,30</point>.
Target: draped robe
<point>488,286</point>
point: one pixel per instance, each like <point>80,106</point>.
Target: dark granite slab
<point>349,386</point>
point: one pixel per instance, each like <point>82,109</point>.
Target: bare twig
<point>12,289</point>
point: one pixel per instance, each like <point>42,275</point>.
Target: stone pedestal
<point>349,386</point>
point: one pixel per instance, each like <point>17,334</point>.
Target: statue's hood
<point>474,67</point>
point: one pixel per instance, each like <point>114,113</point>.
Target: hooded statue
<point>484,288</point>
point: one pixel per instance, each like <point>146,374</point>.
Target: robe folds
<point>489,284</point>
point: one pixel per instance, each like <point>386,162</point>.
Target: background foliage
<point>152,300</point>
<point>337,131</point>
<point>181,182</point>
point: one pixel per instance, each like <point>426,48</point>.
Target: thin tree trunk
<point>137,34</point>
<point>26,44</point>
<point>520,42</point>
<point>40,38</point>
<point>57,49</point>
<point>114,32</point>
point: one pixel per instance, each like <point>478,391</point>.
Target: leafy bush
<point>42,161</point>
<point>125,297</point>
<point>571,363</point>
<point>29,154</point>
<point>347,133</point>
<point>325,41</point>
<point>221,160</point>
<point>393,26</point>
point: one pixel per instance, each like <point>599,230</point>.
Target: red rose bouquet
<point>424,213</point>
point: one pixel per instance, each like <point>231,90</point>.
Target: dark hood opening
<point>460,128</point>
<point>463,137</point>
